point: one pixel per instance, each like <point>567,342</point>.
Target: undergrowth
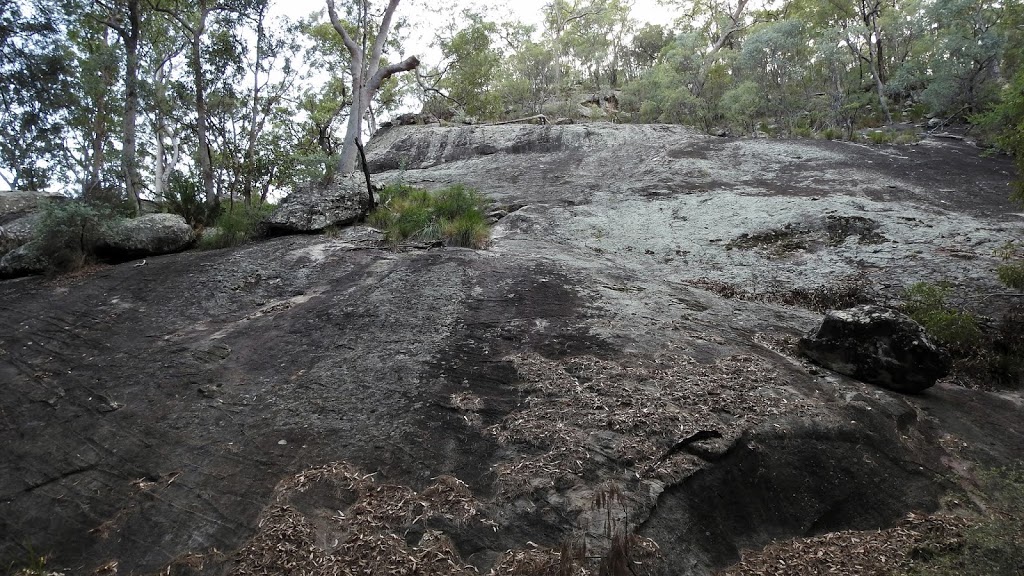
<point>236,225</point>
<point>992,546</point>
<point>454,215</point>
<point>984,355</point>
<point>67,234</point>
<point>956,329</point>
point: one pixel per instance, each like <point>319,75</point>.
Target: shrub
<point>454,215</point>
<point>832,133</point>
<point>992,546</point>
<point>926,303</point>
<point>184,197</point>
<point>67,234</point>
<point>236,225</point>
<point>1011,271</point>
<point>879,137</point>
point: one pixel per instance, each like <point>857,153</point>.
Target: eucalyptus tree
<point>95,111</point>
<point>466,73</point>
<point>125,17</point>
<point>368,70</point>
<point>36,70</point>
<point>775,57</point>
<point>193,20</point>
<point>528,72</point>
<point>964,60</point>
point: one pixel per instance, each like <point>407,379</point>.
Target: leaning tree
<point>367,73</point>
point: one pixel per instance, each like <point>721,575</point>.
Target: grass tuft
<point>454,215</point>
<point>236,225</point>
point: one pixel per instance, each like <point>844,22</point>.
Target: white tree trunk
<point>367,76</point>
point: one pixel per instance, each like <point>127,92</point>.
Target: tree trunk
<point>367,77</point>
<point>249,160</point>
<point>131,37</point>
<point>736,25</point>
<point>199,79</point>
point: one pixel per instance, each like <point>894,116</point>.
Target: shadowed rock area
<point>620,360</point>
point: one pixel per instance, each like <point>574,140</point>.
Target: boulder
<point>879,346</point>
<point>17,231</point>
<point>315,206</point>
<point>19,215</point>
<point>25,260</point>
<point>147,235</point>
<point>17,202</point>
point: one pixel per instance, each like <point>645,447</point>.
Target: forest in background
<point>203,103</point>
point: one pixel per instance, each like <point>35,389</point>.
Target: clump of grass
<point>832,133</point>
<point>454,215</point>
<point>236,225</point>
<point>926,303</point>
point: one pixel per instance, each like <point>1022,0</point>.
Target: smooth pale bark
<point>367,77</point>
<point>255,124</point>
<point>736,25</point>
<point>202,116</point>
<point>130,34</point>
<point>163,166</point>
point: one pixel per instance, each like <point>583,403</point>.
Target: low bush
<point>1011,271</point>
<point>236,225</point>
<point>184,197</point>
<point>67,234</point>
<point>455,216</point>
<point>993,546</point>
<point>926,303</point>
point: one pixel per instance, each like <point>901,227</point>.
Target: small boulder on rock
<point>879,346</point>
<point>147,235</point>
<point>25,260</point>
<point>315,206</point>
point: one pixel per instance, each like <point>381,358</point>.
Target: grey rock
<point>19,215</point>
<point>17,232</point>
<point>315,206</point>
<point>17,202</point>
<point>25,260</point>
<point>879,346</point>
<point>147,235</point>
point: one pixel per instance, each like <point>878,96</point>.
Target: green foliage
<point>1011,271</point>
<point>453,215</point>
<point>927,304</point>
<point>742,107</point>
<point>67,233</point>
<point>184,197</point>
<point>1006,119</point>
<point>236,225</point>
<point>470,64</point>
<point>993,546</point>
<point>34,564</point>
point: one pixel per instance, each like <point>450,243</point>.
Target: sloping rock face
<point>877,345</point>
<point>146,235</point>
<point>317,206</point>
<point>317,402</point>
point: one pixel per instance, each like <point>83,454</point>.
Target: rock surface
<point>25,260</point>
<point>879,346</point>
<point>317,206</point>
<point>505,397</point>
<point>19,214</point>
<point>146,235</point>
